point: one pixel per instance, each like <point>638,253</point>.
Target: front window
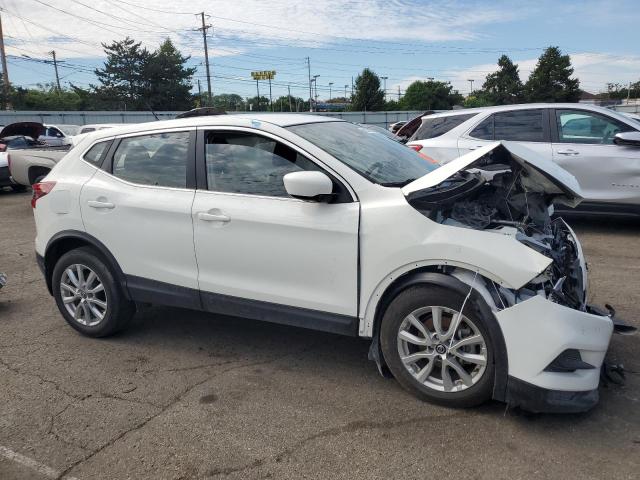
<point>375,157</point>
<point>575,126</point>
<point>239,162</point>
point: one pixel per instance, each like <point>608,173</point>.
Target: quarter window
<point>484,130</point>
<point>159,159</point>
<point>95,153</point>
<point>576,126</point>
<point>245,163</point>
<point>434,127</point>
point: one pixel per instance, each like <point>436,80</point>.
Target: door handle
<point>213,217</point>
<point>567,152</point>
<point>98,204</point>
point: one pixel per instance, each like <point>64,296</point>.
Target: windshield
<point>376,157</point>
<point>69,130</point>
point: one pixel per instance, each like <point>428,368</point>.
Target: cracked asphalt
<point>183,395</point>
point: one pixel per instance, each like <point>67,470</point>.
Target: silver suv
<point>600,147</point>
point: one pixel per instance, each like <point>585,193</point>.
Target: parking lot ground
<point>182,394</point>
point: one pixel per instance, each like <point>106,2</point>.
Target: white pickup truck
<point>31,165</point>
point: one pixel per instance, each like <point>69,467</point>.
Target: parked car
<point>16,136</point>
<point>378,129</point>
<point>465,286</point>
<point>58,135</point>
<point>394,127</point>
<point>583,139</point>
<point>632,116</point>
<point>30,166</point>
<point>97,126</point>
<point>3,280</point>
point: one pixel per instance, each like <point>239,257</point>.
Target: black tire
<point>419,296</point>
<point>119,310</point>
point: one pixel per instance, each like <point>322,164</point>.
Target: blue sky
<point>449,40</point>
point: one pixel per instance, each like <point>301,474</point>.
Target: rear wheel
<point>88,296</point>
<point>435,350</point>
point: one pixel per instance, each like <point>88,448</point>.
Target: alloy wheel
<point>83,295</point>
<point>442,349</point>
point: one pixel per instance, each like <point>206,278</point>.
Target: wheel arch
<point>68,240</point>
<point>435,275</point>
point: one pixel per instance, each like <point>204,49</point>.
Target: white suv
<point>465,285</point>
<point>598,146</point>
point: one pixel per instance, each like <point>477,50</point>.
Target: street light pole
<point>384,79</point>
<point>330,83</point>
<point>315,86</point>
<point>471,85</point>
<point>345,91</point>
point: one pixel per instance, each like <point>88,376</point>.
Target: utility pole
<point>330,83</point>
<point>315,85</point>
<point>199,93</point>
<point>399,93</point>
<point>270,98</point>
<point>345,91</point>
<point>352,86</point>
<point>384,79</point>
<point>628,91</point>
<point>470,83</point>
<point>204,29</point>
<point>55,66</point>
<point>258,91</point>
<point>289,95</point>
<point>309,71</point>
<point>5,73</point>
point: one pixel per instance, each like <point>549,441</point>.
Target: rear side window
<point>159,159</point>
<point>96,153</point>
<point>250,164</point>
<point>434,127</point>
<point>520,126</point>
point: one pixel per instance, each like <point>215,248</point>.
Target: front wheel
<point>436,349</point>
<point>87,294</point>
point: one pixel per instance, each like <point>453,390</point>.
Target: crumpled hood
<point>29,129</point>
<point>542,173</point>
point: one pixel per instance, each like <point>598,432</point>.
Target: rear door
<point>529,127</point>
<point>139,207</point>
<point>261,251</point>
<point>583,145</point>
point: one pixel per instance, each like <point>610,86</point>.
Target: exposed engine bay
<point>497,193</point>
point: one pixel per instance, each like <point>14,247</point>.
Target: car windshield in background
<point>374,156</point>
<point>434,127</point>
<point>69,130</point>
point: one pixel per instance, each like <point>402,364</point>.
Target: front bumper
<point>541,400</point>
<point>537,330</point>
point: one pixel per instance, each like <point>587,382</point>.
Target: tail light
<point>40,190</point>
<point>417,148</point>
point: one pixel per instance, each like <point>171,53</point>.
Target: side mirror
<point>631,139</point>
<point>308,185</point>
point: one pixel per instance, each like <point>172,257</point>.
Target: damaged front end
<point>556,342</point>
<point>499,191</point>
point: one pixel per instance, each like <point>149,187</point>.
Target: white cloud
<point>282,22</point>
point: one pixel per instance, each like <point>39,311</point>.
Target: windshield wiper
<point>398,184</point>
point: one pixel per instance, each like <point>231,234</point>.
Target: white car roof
<point>521,106</point>
<point>279,119</point>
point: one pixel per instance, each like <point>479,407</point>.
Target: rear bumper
<point>541,400</point>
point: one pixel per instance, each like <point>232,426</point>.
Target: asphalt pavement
<point>183,395</point>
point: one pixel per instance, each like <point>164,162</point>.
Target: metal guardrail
<point>383,119</point>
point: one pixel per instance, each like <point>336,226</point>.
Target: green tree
<point>477,99</point>
<point>430,95</point>
<point>367,96</point>
<point>229,102</point>
<point>123,77</point>
<point>258,104</point>
<point>503,87</point>
<point>551,80</point>
<point>166,79</point>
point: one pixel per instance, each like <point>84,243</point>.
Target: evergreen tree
<point>551,80</point>
<point>503,87</point>
<point>167,81</point>
<point>367,96</point>
<point>123,77</point>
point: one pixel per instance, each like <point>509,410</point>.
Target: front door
<point>262,253</point>
<point>583,145</point>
